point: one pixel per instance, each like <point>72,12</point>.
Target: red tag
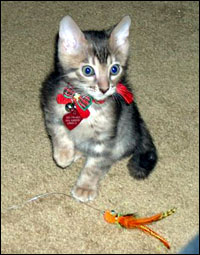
<point>72,119</point>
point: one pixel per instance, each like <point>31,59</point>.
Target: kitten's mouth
<point>102,96</point>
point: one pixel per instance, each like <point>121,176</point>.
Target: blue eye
<point>115,69</point>
<point>88,71</point>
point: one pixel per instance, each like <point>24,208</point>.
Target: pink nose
<point>103,90</point>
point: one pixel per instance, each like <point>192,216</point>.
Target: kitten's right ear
<point>71,37</point>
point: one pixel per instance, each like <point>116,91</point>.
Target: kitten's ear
<point>119,35</point>
<point>71,37</point>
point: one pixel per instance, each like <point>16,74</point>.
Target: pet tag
<point>72,119</point>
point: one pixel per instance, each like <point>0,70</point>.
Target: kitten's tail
<point>142,163</point>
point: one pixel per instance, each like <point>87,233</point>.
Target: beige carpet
<point>164,73</point>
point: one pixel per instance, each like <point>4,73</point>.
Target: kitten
<point>89,109</point>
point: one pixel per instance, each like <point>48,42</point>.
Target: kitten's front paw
<point>84,194</point>
<point>63,157</point>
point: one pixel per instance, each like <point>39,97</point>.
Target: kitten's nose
<point>103,84</point>
<point>103,90</point>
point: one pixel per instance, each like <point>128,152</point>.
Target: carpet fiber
<point>164,73</point>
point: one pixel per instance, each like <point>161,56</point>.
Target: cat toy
<point>128,221</point>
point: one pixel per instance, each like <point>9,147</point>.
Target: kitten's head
<point>93,61</point>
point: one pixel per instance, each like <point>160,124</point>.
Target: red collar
<point>81,103</point>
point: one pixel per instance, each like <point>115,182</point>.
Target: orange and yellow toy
<point>131,221</point>
<point>128,221</point>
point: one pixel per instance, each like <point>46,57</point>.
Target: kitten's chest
<point>99,125</point>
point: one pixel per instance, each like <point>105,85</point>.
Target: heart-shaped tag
<point>72,119</point>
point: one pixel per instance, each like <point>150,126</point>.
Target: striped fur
<point>113,130</point>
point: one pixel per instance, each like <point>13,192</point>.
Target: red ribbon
<point>125,93</point>
<point>82,103</point>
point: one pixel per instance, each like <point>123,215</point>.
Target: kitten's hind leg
<point>77,155</point>
<point>86,187</point>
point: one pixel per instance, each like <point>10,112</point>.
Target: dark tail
<point>144,157</point>
<point>141,164</point>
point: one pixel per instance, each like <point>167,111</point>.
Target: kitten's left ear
<point>119,35</point>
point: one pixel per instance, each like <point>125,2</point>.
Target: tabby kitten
<point>88,106</point>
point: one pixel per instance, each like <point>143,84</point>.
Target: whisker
<point>117,98</point>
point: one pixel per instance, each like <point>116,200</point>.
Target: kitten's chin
<point>100,97</point>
